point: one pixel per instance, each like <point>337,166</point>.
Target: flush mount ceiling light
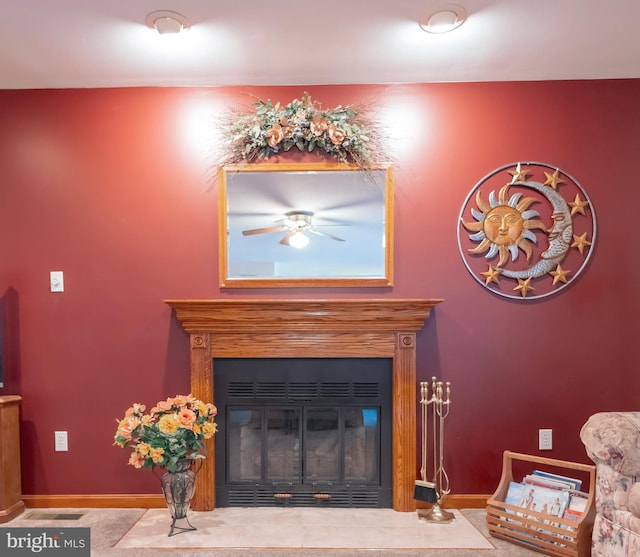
<point>165,22</point>
<point>443,19</point>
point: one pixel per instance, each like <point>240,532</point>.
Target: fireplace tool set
<point>433,489</point>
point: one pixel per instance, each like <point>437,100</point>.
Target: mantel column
<point>404,422</point>
<point>202,388</point>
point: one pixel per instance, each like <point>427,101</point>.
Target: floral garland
<point>344,132</point>
<point>174,429</point>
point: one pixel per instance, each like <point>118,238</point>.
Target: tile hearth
<point>304,527</point>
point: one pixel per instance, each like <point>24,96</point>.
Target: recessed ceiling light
<point>443,19</point>
<point>165,22</point>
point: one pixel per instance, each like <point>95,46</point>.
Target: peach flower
<point>162,406</point>
<point>180,400</point>
<point>136,460</point>
<point>126,427</point>
<point>275,135</point>
<point>336,134</point>
<point>186,417</point>
<point>319,125</point>
<point>135,409</point>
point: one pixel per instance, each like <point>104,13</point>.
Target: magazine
<point>545,500</point>
<point>533,479</point>
<point>515,494</point>
<point>577,503</point>
<point>575,483</point>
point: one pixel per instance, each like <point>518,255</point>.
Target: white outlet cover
<point>61,441</point>
<point>545,439</point>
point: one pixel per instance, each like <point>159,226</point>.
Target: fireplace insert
<point>303,432</point>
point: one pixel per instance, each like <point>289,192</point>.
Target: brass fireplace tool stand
<point>438,486</point>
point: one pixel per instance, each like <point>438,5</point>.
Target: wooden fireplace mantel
<point>337,328</point>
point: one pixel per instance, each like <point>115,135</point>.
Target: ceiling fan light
<point>299,240</point>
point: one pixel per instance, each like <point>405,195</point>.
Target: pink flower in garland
<point>336,134</point>
<point>318,125</point>
<point>275,135</point>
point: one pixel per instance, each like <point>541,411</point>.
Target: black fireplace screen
<point>303,432</point>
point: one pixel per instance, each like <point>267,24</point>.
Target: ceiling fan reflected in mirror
<point>295,226</point>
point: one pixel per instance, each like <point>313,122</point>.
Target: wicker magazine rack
<point>561,537</point>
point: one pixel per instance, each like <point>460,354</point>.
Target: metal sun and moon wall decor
<point>526,230</point>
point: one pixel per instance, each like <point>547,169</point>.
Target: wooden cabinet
<point>11,504</point>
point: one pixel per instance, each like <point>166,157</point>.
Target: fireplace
<point>347,328</point>
<point>303,432</point>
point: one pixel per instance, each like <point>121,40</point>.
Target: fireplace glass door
<point>302,441</point>
<point>307,445</point>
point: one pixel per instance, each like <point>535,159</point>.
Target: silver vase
<point>178,488</point>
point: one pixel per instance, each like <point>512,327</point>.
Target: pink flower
<point>126,427</point>
<point>135,409</point>
<point>162,406</point>
<point>318,125</point>
<point>179,400</point>
<point>336,134</point>
<point>136,460</point>
<point>275,135</point>
<point>186,417</point>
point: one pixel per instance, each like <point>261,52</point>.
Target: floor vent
<point>54,516</point>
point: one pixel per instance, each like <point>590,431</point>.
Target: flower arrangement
<point>173,430</point>
<point>344,132</point>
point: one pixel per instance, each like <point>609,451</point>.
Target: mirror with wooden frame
<point>305,225</point>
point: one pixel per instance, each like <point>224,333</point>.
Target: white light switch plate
<point>56,281</point>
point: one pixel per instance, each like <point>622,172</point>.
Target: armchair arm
<point>613,439</point>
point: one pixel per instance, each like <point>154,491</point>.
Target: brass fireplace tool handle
<point>440,401</point>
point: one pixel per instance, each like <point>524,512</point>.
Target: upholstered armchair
<point>612,441</point>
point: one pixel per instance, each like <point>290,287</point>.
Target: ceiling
<point>105,43</point>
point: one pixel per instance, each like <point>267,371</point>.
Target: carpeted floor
<point>143,533</point>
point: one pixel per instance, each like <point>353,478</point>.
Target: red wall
<point>115,188</point>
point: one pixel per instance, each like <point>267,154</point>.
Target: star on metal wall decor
<point>526,230</point>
